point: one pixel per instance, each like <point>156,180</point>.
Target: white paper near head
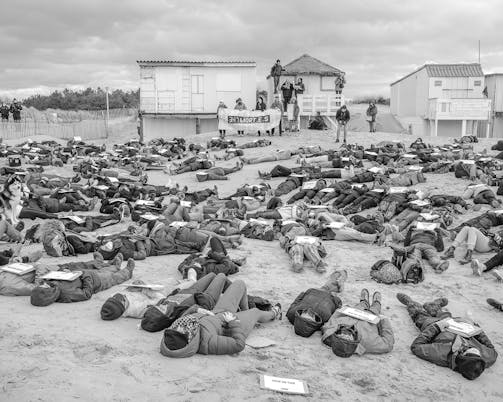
<point>306,239</point>
<point>426,226</point>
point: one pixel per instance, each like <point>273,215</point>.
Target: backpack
<point>384,271</point>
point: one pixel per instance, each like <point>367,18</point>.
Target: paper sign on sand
<point>306,240</point>
<point>18,268</point>
<point>463,329</point>
<point>286,385</point>
<point>309,185</point>
<point>62,275</point>
<point>359,314</point>
<point>426,226</point>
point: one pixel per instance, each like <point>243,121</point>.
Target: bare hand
<point>204,311</point>
<point>228,317</point>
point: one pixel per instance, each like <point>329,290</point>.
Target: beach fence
<point>62,124</point>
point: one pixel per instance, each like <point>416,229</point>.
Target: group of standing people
<point>14,109</point>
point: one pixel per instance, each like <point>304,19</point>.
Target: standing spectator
<point>15,109</point>
<point>4,112</point>
<point>293,111</point>
<point>287,91</point>
<point>371,117</point>
<point>276,71</point>
<point>260,106</point>
<point>240,106</point>
<point>277,105</point>
<point>342,116</point>
<point>299,87</point>
<point>221,131</point>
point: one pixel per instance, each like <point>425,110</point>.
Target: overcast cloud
<point>76,43</point>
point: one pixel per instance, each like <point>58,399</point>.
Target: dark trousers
<point>422,319</point>
<point>280,171</point>
<point>494,262</point>
<point>484,197</point>
<point>31,213</point>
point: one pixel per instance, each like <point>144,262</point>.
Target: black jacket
<point>343,116</point>
<point>320,301</point>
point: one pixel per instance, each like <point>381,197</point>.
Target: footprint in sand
<point>93,353</point>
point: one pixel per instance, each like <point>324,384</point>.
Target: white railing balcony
<point>459,109</point>
<point>327,105</point>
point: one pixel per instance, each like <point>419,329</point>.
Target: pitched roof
<point>190,61</point>
<point>306,64</point>
<point>448,70</point>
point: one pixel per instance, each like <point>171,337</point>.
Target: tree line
<point>86,99</point>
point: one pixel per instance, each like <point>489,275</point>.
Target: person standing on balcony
<point>299,87</point>
<point>276,71</point>
<point>15,109</point>
<point>371,117</point>
<point>342,116</point>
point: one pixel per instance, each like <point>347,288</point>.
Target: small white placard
<point>327,190</point>
<point>409,155</point>
<point>101,187</point>
<point>463,329</point>
<point>62,275</point>
<point>468,161</point>
<point>287,222</point>
<point>336,225</point>
<point>306,239</point>
<point>374,169</point>
<point>416,168</point>
<point>420,203</point>
<point>371,153</point>
<point>429,217</point>
<point>426,226</point>
<point>297,175</point>
<point>150,217</point>
<point>397,190</point>
<point>286,385</point>
<point>178,224</point>
<point>260,222</point>
<point>309,185</point>
<point>18,268</point>
<point>378,190</point>
<point>318,207</point>
<point>359,314</point>
<point>77,139</point>
<point>77,219</point>
<point>145,202</point>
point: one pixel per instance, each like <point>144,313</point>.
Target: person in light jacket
<point>371,117</point>
<point>347,335</point>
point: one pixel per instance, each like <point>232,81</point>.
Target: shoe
<point>432,308</point>
<point>449,253</point>
<point>496,304</point>
<point>337,140</point>
<point>497,274</point>
<point>297,267</point>
<point>337,279</point>
<point>240,261</point>
<point>278,314</point>
<point>442,267</point>
<point>404,299</point>
<point>467,258</point>
<point>117,261</point>
<point>130,265</point>
<point>97,256</point>
<point>477,267</point>
<point>322,267</point>
<point>364,295</point>
<point>376,297</point>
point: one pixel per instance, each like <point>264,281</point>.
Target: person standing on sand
<point>371,117</point>
<point>15,109</point>
<point>221,106</point>
<point>277,104</point>
<point>342,116</point>
<point>4,112</point>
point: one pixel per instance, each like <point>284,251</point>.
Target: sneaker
<point>364,295</point>
<point>497,274</point>
<point>404,299</point>
<point>496,304</point>
<point>337,280</point>
<point>376,297</point>
<point>432,308</point>
<point>278,314</point>
<point>97,256</point>
<point>322,267</point>
<point>130,265</point>
<point>477,267</point>
<point>117,261</point>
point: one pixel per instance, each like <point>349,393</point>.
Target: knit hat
<point>113,308</point>
<point>154,320</point>
<point>304,325</point>
<point>45,294</point>
<point>175,340</point>
<point>470,365</point>
<point>345,341</point>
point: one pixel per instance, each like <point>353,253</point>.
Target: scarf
<point>188,325</point>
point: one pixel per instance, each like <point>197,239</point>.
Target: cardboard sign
<point>150,217</point>
<point>420,203</point>
<point>378,190</point>
<point>318,207</point>
<point>468,161</point>
<point>463,329</point>
<point>371,153</point>
<point>145,202</point>
<point>77,219</point>
<point>62,275</point>
<point>178,224</point>
<point>285,385</point>
<point>309,185</point>
<point>409,155</point>
<point>287,222</point>
<point>18,268</point>
<point>428,217</point>
<point>374,169</point>
<point>113,179</point>
<point>416,168</point>
<point>426,226</point>
<point>397,190</point>
<point>336,225</point>
<point>327,190</point>
<point>306,239</point>
<point>359,314</point>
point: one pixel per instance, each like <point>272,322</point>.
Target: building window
<point>477,83</point>
<point>438,83</point>
<point>327,83</point>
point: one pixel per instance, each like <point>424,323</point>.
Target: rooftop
<point>200,62</point>
<point>306,64</point>
<point>449,70</point>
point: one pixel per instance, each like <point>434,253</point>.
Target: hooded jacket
<point>214,337</point>
<point>320,301</point>
<point>376,339</point>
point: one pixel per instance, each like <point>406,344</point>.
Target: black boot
<point>467,258</point>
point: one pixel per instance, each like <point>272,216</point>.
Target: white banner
<point>248,120</point>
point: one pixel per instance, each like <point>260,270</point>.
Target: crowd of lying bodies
<point>323,198</point>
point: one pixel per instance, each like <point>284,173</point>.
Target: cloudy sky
<point>75,43</point>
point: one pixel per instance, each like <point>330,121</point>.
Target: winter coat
<point>342,116</point>
<point>432,238</point>
<point>373,338</point>
<point>215,337</point>
<point>171,240</point>
<point>16,285</point>
<point>276,70</point>
<point>372,112</point>
<point>435,345</point>
<point>320,301</point>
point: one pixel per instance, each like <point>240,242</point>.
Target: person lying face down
<point>82,288</point>
<point>469,356</point>
<point>222,331</point>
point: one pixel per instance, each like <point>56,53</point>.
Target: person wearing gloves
<point>347,335</point>
<point>222,331</point>
<point>468,356</point>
